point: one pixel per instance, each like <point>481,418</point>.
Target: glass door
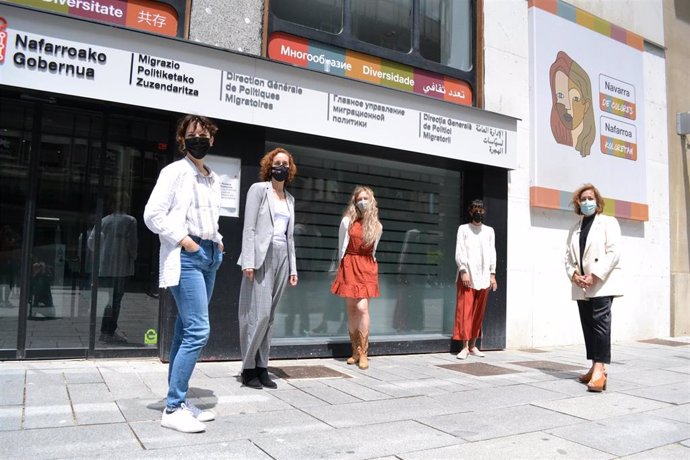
<point>66,205</point>
<point>16,124</point>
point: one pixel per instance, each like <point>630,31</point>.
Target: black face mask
<point>477,217</point>
<point>197,147</point>
<point>280,173</point>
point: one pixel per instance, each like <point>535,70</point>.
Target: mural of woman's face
<point>579,105</point>
<point>570,105</point>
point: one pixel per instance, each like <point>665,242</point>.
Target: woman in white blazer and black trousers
<point>268,262</point>
<point>592,263</point>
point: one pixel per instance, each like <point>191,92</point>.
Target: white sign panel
<point>62,55</point>
<point>228,170</point>
<point>587,111</point>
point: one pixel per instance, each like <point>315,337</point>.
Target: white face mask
<point>362,205</point>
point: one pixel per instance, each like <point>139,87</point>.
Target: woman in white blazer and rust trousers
<point>268,262</point>
<point>592,263</point>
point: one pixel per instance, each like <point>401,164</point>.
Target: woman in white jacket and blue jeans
<point>183,210</point>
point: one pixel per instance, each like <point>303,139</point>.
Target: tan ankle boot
<point>363,349</point>
<point>354,338</point>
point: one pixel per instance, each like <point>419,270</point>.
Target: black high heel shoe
<point>262,374</point>
<point>250,379</point>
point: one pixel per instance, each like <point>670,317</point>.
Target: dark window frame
<point>346,40</point>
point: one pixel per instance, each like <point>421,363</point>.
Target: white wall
<point>539,309</point>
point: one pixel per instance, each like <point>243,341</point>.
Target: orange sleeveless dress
<point>358,272</point>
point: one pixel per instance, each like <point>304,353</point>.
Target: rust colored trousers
<point>469,312</point>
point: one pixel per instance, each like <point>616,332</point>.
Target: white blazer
<point>166,214</point>
<point>344,238</point>
<point>601,258</point>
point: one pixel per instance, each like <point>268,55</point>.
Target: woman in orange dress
<point>357,279</point>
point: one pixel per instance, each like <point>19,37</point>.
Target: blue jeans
<point>192,296</point>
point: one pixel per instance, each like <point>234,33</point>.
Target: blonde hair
<point>371,225</point>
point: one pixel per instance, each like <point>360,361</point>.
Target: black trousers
<point>116,285</point>
<point>595,317</point>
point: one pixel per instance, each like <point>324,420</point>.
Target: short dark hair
<point>476,203</point>
<point>187,120</point>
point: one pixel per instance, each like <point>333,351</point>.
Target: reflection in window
<point>325,15</point>
<point>386,23</point>
<point>419,211</point>
<point>446,32</point>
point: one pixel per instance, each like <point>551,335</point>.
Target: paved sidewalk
<point>511,404</point>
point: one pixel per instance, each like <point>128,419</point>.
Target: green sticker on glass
<point>151,337</point>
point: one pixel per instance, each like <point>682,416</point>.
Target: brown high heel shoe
<point>599,385</point>
<point>585,378</point>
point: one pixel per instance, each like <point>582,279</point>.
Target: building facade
<point>433,103</point>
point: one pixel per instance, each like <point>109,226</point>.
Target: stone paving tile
<point>298,398</point>
<point>494,397</point>
<point>141,409</point>
<point>386,410</point>
<point>428,387</point>
<point>679,413</point>
<point>219,370</point>
<point>681,369</point>
<point>686,443</point>
<point>37,395</point>
<point>10,418</point>
<point>625,435</point>
<point>596,406</point>
<point>68,442</point>
<point>45,377</point>
<point>676,393</point>
<point>125,385</point>
<point>236,450</point>
<point>94,413</point>
<point>361,442</point>
<point>493,423</point>
<point>250,401</point>
<point>353,388</point>
<point>656,378</point>
<point>669,452</point>
<point>85,375</point>
<point>45,416</point>
<point>290,424</point>
<point>379,373</point>
<point>329,394</point>
<point>89,393</point>
<point>571,386</point>
<point>531,445</point>
<point>12,389</point>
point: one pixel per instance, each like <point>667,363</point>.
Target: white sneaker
<point>463,353</point>
<point>182,420</point>
<point>475,352</point>
<point>202,415</point>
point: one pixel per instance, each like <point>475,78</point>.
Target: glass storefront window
<point>385,23</point>
<point>419,209</point>
<point>127,305</point>
<point>16,120</point>
<point>446,32</point>
<point>324,15</point>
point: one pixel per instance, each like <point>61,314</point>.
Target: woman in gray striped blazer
<point>268,262</point>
